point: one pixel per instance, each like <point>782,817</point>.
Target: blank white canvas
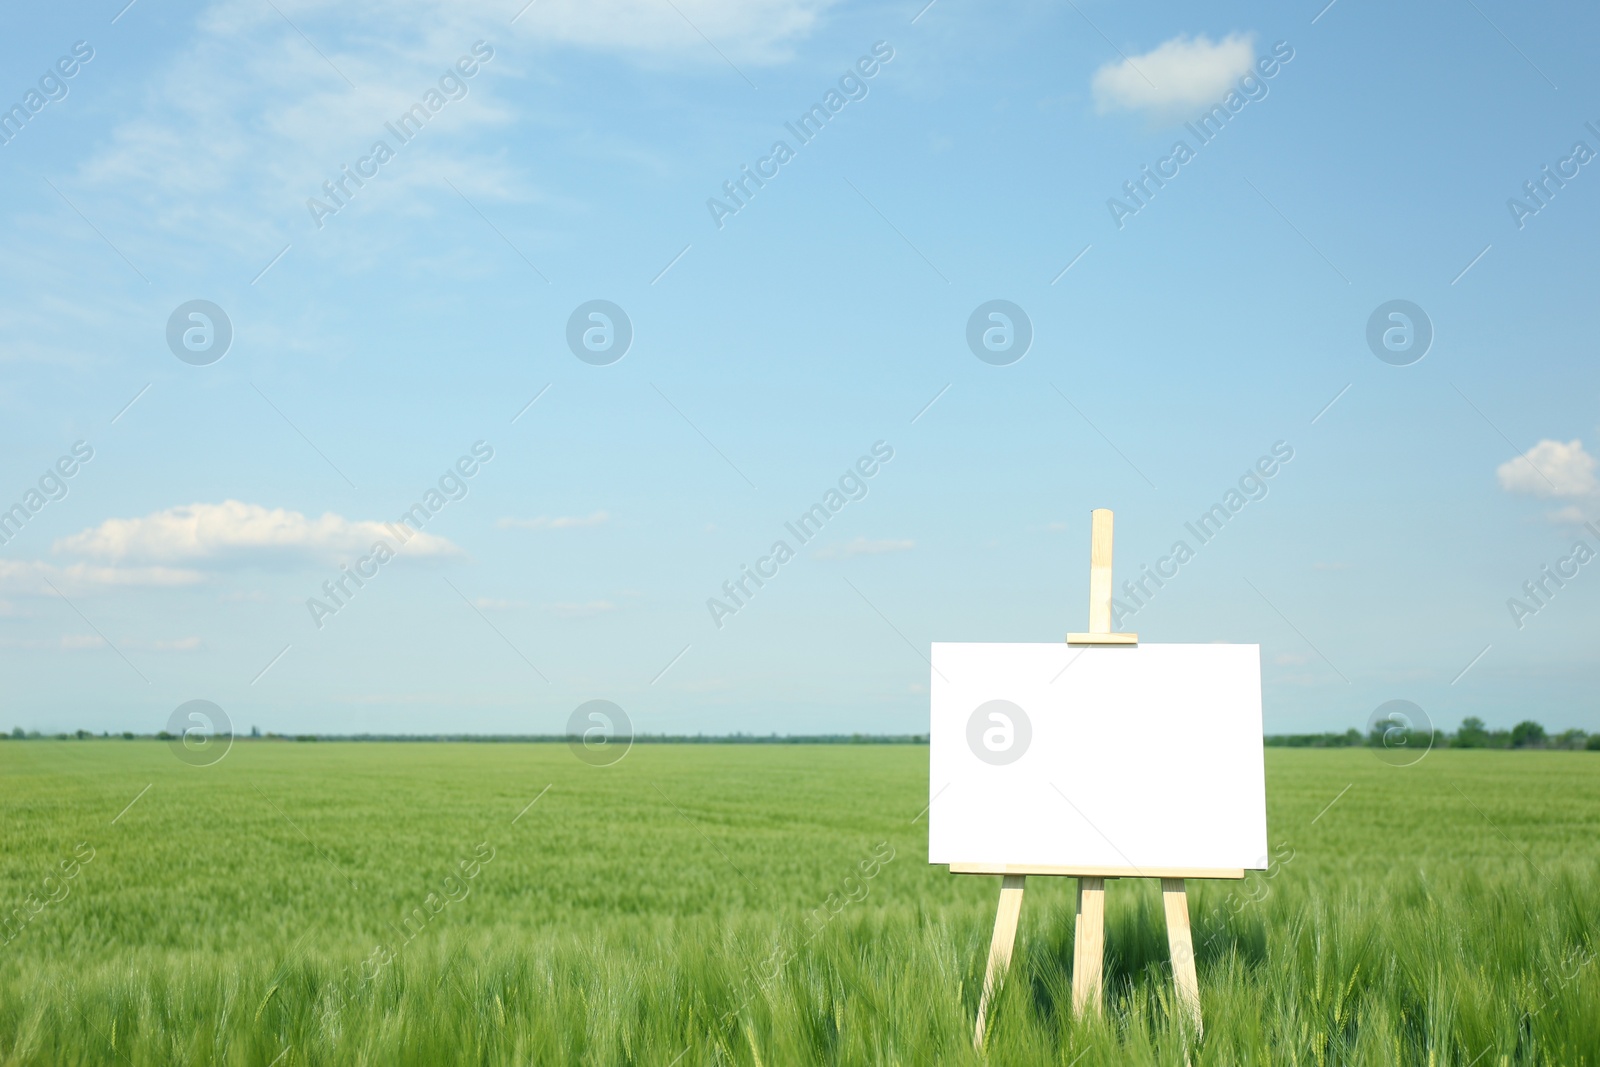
<point>1140,756</point>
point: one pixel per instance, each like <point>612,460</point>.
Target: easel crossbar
<point>1032,869</point>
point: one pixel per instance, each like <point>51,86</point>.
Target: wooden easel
<point>1088,952</point>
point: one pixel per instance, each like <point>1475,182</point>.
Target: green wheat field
<point>345,903</point>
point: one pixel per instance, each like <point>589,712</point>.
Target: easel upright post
<point>1100,571</point>
<point>1089,925</point>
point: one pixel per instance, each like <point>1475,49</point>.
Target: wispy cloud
<point>1571,515</point>
<point>90,642</point>
<point>177,644</point>
<point>582,611</point>
<point>755,31</point>
<point>862,546</point>
<point>35,577</point>
<point>558,522</point>
<point>485,603</point>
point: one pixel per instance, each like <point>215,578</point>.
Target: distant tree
<point>163,736</point>
<point>81,734</point>
<point>16,732</point>
<point>1499,739</point>
<point>1472,734</point>
<point>1351,737</point>
<point>1569,739</point>
<point>127,735</point>
<point>1593,744</point>
<point>1527,734</point>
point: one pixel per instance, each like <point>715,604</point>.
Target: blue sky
<point>1175,343</point>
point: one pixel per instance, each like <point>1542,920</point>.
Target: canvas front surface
<point>1146,756</point>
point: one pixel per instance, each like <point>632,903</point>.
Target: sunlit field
<point>342,903</point>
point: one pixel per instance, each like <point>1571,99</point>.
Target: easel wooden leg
<point>1005,935</point>
<point>1175,897</point>
<point>1088,945</point>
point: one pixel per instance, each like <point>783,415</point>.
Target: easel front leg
<point>1088,945</point>
<point>1175,898</point>
<point>1005,935</point>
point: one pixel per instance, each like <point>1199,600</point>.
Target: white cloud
<point>35,578</point>
<point>756,31</point>
<point>582,611</point>
<point>485,603</point>
<point>1551,469</point>
<point>861,546</point>
<point>74,642</point>
<point>179,644</point>
<point>559,522</point>
<point>63,643</point>
<point>260,115</point>
<point>89,642</point>
<point>1571,515</point>
<point>1175,76</point>
<point>209,161</point>
<point>233,528</point>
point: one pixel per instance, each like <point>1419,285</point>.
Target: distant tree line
<point>1472,734</point>
<point>19,734</point>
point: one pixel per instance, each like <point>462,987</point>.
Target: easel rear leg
<point>1088,945</point>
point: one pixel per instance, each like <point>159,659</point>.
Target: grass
<point>388,904</point>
